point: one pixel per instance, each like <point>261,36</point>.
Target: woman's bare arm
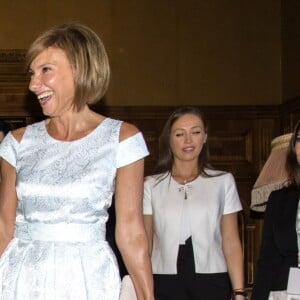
<point>130,231</point>
<point>8,203</point>
<point>8,196</point>
<point>233,251</point>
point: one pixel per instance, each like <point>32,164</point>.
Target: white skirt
<point>127,289</point>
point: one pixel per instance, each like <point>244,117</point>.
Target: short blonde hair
<point>86,54</point>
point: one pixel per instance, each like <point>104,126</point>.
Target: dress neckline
<point>92,132</point>
<point>185,183</point>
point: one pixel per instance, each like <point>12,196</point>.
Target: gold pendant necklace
<point>186,184</point>
<point>182,180</point>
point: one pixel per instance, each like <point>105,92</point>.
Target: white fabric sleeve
<point>147,207</point>
<point>131,150</point>
<point>232,199</point>
<point>9,148</point>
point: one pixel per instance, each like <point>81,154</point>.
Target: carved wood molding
<point>12,55</point>
<point>290,114</point>
<point>239,136</point>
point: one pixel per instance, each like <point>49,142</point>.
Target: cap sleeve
<point>131,150</point>
<point>8,149</point>
<point>232,200</point>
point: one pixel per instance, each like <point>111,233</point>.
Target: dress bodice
<point>59,181</point>
<point>64,189</point>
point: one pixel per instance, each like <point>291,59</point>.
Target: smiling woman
<point>52,81</point>
<point>58,179</point>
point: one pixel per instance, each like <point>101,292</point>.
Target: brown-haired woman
<point>190,214</point>
<point>279,249</point>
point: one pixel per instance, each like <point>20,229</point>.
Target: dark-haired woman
<point>190,214</point>
<point>279,248</point>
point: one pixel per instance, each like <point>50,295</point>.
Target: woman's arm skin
<point>8,197</point>
<point>233,251</point>
<point>130,231</point>
<point>8,203</point>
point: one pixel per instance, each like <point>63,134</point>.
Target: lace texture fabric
<point>64,189</point>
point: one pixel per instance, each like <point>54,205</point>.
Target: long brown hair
<point>166,158</point>
<point>292,165</point>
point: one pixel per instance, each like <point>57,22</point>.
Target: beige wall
<point>169,52</point>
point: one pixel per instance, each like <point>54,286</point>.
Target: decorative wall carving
<point>239,136</point>
<point>12,56</point>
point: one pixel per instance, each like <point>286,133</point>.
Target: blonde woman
<point>58,178</point>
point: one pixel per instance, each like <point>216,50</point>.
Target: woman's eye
<point>179,134</point>
<point>45,69</point>
<point>196,132</point>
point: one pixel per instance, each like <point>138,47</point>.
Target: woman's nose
<point>35,83</point>
<point>188,138</point>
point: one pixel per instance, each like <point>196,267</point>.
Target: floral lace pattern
<point>64,189</point>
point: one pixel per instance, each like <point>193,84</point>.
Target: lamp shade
<point>273,175</point>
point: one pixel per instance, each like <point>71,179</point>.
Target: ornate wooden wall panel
<point>290,114</point>
<point>239,136</point>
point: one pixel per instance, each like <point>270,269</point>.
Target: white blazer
<point>207,200</point>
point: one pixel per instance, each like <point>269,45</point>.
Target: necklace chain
<point>185,180</point>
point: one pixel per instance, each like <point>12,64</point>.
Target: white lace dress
<point>64,189</point>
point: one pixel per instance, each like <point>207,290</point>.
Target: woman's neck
<point>73,126</point>
<point>185,174</point>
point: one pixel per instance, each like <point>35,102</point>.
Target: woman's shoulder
<point>18,133</point>
<point>127,130</point>
<point>279,199</point>
<point>153,179</point>
<point>215,173</point>
<point>289,190</point>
